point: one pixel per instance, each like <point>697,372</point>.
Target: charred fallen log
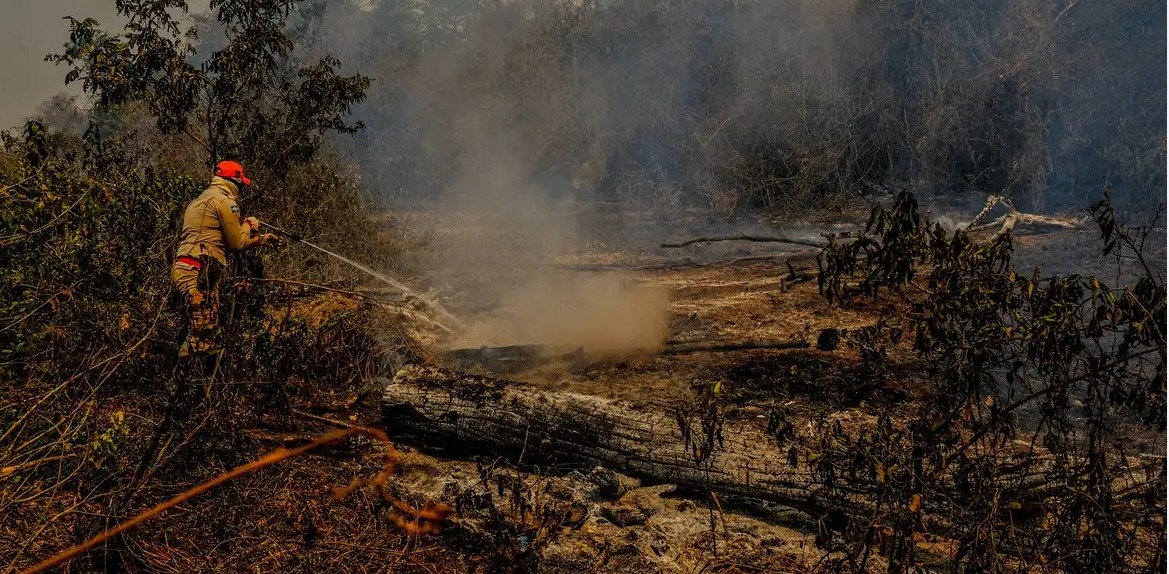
<point>509,358</point>
<point>754,238</point>
<point>512,358</point>
<point>689,263</point>
<point>718,346</point>
<point>441,409</point>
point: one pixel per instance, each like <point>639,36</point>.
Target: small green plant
<point>107,444</point>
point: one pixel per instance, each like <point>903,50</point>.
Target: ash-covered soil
<point>634,528</point>
<point>722,291</point>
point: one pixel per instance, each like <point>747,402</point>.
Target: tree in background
<point>246,99</point>
<point>757,105</point>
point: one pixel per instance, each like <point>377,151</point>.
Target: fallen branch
<point>795,276</point>
<point>321,419</point>
<point>516,357</point>
<point>1014,218</point>
<point>284,439</point>
<point>714,347</point>
<point>9,470</point>
<point>755,238</point>
<point>314,286</point>
<point>402,306</point>
<point>685,263</point>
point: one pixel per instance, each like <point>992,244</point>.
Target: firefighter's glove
<point>270,240</point>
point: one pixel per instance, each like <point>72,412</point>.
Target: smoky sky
<point>29,29</point>
<point>659,102</point>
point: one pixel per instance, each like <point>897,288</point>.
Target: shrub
<point>1015,456</point>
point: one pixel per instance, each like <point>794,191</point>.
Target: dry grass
<point>428,520</point>
<point>67,480</point>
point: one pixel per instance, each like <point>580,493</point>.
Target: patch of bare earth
<point>648,529</point>
<point>645,528</point>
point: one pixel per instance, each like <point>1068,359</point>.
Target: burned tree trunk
<point>510,358</point>
<point>755,238</point>
<point>439,408</point>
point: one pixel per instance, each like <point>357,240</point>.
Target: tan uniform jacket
<point>211,224</point>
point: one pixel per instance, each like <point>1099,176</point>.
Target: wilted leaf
<point>915,503</point>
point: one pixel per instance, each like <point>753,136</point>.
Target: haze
<point>29,29</point>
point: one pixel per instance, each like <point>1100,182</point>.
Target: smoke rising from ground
<point>516,111</point>
<point>602,314</point>
<point>503,229</point>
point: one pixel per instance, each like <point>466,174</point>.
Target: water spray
<point>432,304</point>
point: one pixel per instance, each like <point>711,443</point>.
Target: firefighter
<point>211,228</point>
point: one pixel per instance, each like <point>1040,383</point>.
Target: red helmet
<point>232,170</point>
